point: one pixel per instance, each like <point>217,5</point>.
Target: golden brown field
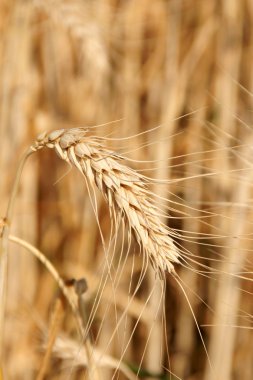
<point>164,90</point>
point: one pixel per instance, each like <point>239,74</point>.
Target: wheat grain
<point>124,189</point>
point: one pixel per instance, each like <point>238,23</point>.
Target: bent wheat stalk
<point>124,189</point>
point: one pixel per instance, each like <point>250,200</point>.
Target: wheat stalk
<point>124,189</point>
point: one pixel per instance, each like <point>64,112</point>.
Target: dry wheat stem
<point>124,189</point>
<point>4,244</point>
<point>92,371</point>
<point>54,273</point>
<point>54,328</point>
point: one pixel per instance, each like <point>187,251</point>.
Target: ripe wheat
<point>124,189</point>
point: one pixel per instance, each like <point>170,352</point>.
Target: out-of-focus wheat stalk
<point>4,245</point>
<point>54,329</point>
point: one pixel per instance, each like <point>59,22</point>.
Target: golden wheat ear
<point>124,189</point>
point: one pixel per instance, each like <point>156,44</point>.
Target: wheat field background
<point>166,84</point>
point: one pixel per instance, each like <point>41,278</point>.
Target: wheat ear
<point>124,189</point>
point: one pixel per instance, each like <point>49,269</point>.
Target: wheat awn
<point>124,189</point>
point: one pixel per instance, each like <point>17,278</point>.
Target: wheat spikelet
<point>124,189</point>
<point>78,18</point>
<point>70,351</point>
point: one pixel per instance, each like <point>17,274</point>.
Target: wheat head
<point>124,189</point>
